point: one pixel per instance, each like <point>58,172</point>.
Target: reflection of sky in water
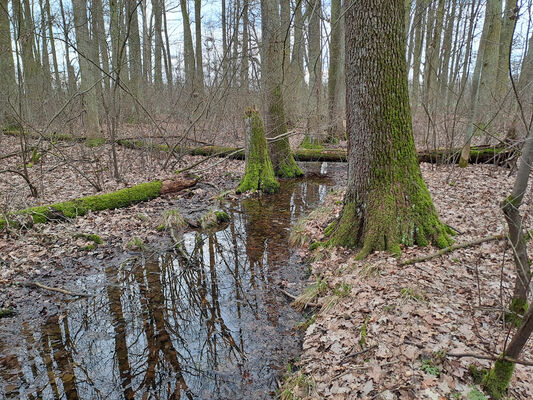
<point>210,326</point>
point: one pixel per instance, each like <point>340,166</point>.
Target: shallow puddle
<point>207,322</point>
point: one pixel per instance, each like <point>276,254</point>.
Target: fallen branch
<point>351,355</point>
<point>452,248</point>
<point>290,296</point>
<point>53,289</point>
<point>491,358</point>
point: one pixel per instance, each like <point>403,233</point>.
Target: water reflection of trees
<point>188,324</point>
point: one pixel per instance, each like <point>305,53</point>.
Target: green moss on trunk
<point>72,209</point>
<point>259,173</point>
<point>497,380</point>
<point>387,203</point>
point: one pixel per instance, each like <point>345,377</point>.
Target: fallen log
<point>107,201</point>
<point>478,155</point>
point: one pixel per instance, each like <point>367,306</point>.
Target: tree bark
<point>510,17</point>
<point>314,134</point>
<point>188,52</point>
<point>335,128</point>
<point>92,123</point>
<point>420,25</point>
<point>7,66</point>
<point>387,203</point>
<point>275,125</point>
<point>199,61</point>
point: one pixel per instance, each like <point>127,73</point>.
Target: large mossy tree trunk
<point>387,203</point>
<point>275,125</point>
<point>259,174</point>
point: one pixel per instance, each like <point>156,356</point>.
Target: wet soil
<point>206,321</point>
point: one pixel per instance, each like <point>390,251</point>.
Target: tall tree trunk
<point>168,62</point>
<point>100,37</point>
<point>510,17</point>
<point>224,42</point>
<point>46,73</point>
<point>296,78</point>
<point>158,47</point>
<point>199,60</point>
<point>280,150</point>
<point>489,68</point>
<point>57,80</point>
<point>71,78</point>
<point>419,22</point>
<point>245,47</point>
<point>92,124</point>
<point>314,134</point>
<point>335,130</point>
<point>446,53</point>
<point>30,64</point>
<point>432,58</point>
<point>483,71</point>
<point>188,52</point>
<point>147,45</point>
<point>7,66</point>
<point>387,203</point>
<point>134,42</point>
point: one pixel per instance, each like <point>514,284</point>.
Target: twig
<point>53,289</point>
<point>492,358</point>
<point>291,296</point>
<point>360,352</point>
<point>454,247</point>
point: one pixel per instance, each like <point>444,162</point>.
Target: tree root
<point>452,248</point>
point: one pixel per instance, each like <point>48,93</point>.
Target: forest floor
<point>382,330</point>
<point>385,327</point>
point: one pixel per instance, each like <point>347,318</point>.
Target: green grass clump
<point>136,244</point>
<point>296,385</point>
<point>412,294</point>
<point>213,218</point>
<point>308,145</point>
<point>94,142</point>
<point>315,290</point>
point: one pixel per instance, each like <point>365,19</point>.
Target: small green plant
<point>363,332</point>
<point>213,218</point>
<point>136,244</point>
<point>307,323</point>
<point>95,239</point>
<point>342,290</point>
<point>142,217</point>
<point>7,312</point>
<point>94,142</point>
<point>475,394</point>
<point>412,294</point>
<point>430,367</point>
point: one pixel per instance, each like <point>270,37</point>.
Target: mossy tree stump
<point>387,203</point>
<point>259,173</point>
